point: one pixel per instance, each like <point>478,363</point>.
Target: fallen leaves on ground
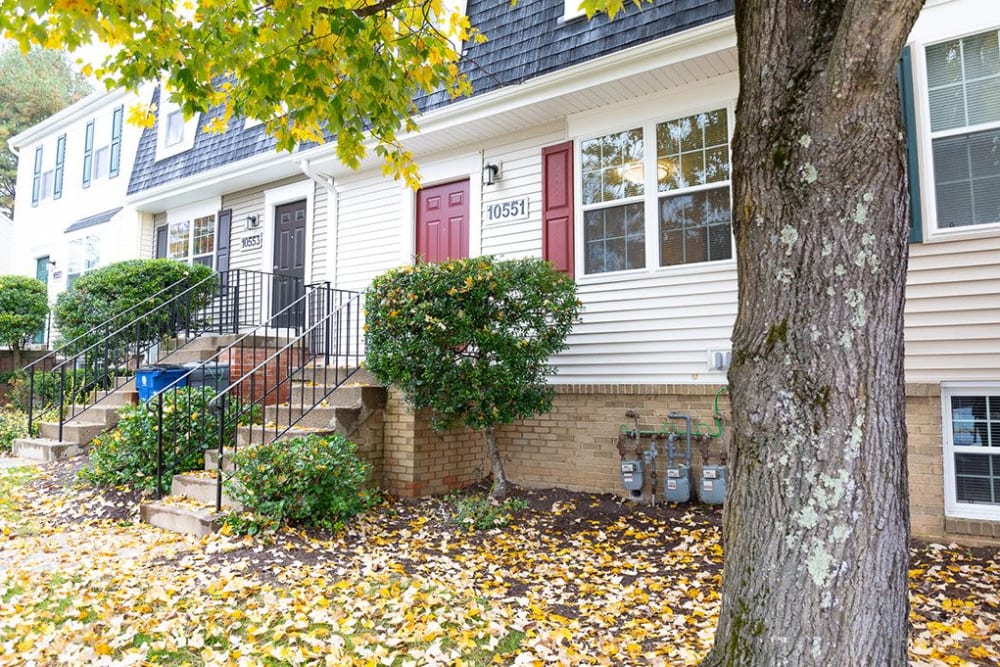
<point>574,580</point>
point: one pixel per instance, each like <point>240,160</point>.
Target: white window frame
<point>572,10</point>
<point>186,143</point>
<point>952,507</point>
<point>97,170</point>
<point>47,184</point>
<point>654,109</point>
<point>965,26</point>
<point>78,256</point>
<point>189,214</point>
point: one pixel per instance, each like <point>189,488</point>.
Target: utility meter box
<point>713,485</point>
<point>632,475</point>
<point>677,486</point>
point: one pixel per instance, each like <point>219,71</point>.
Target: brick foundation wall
<point>265,381</point>
<point>419,461</point>
<point>574,447</point>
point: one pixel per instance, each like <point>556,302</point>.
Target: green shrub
<point>13,425</point>
<point>112,289</point>
<point>308,481</point>
<point>76,386</point>
<point>127,455</point>
<point>481,512</point>
<point>24,304</point>
<point>470,340</point>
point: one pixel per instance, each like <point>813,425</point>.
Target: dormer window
<point>174,134</point>
<point>175,128</point>
<point>572,10</point>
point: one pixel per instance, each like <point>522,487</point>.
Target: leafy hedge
<point>127,455</point>
<point>308,481</point>
<point>23,308</point>
<point>112,289</point>
<point>470,339</point>
<point>13,425</point>
<point>76,385</point>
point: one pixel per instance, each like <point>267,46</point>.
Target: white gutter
<point>333,216</point>
<point>702,40</point>
<point>74,112</point>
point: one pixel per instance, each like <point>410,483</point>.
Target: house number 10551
<point>511,209</point>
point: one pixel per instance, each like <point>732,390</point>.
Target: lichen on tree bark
<point>816,523</point>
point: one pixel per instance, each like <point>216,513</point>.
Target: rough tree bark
<point>816,523</point>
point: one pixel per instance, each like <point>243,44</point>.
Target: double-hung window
<point>667,180</point>
<point>971,431</point>
<point>84,255</point>
<point>193,240</point>
<point>963,90</point>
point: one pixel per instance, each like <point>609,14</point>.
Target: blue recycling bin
<point>150,380</point>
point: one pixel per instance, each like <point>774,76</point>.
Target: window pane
<point>175,128</point>
<point>75,257</point>
<point>944,63</point>
<point>614,238</point>
<point>204,235</point>
<point>178,240</point>
<point>92,253</point>
<point>977,478</point>
<point>967,179</point>
<point>695,227</point>
<point>964,81</point>
<point>693,150</point>
<point>981,55</point>
<point>612,167</point>
<point>101,157</point>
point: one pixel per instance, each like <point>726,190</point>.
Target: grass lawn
<point>575,579</point>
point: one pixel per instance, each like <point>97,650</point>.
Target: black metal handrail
<point>236,299</point>
<point>330,340</point>
<point>169,395</point>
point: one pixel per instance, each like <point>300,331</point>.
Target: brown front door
<point>443,222</point>
<point>287,309</point>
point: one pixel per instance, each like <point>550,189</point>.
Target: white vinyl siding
<point>952,317</point>
<point>369,229</point>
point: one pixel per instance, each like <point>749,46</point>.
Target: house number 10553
<point>255,241</point>
<point>511,209</point>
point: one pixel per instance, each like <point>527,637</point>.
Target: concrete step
<point>184,516</point>
<point>45,449</point>
<point>202,488</point>
<point>342,419</point>
<point>331,375</point>
<point>247,436</point>
<point>186,355</point>
<point>347,395</point>
<point>122,397</point>
<point>212,459</point>
<point>78,431</point>
<point>98,414</point>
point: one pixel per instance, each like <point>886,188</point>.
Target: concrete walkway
<point>14,462</point>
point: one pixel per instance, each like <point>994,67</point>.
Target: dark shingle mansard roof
<point>524,42</point>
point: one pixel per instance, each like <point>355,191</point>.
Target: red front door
<point>443,222</point>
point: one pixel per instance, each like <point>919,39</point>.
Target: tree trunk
<point>499,490</point>
<point>816,523</point>
<point>15,353</point>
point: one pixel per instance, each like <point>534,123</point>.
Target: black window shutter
<point>161,242</point>
<point>36,181</point>
<point>57,184</point>
<point>910,129</point>
<point>222,231</point>
<point>88,154</point>
<point>114,165</point>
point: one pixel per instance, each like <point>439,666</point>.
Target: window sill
<point>657,272</point>
<point>961,512</point>
<point>962,233</point>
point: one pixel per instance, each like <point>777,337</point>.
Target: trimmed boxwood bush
<point>112,289</point>
<point>311,480</point>
<point>470,340</point>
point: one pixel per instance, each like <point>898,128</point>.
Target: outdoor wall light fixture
<point>492,173</point>
<point>252,222</point>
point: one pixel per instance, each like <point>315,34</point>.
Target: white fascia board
<point>702,40</point>
<point>86,107</point>
<point>263,164</point>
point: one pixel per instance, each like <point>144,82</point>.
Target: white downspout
<point>333,216</point>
